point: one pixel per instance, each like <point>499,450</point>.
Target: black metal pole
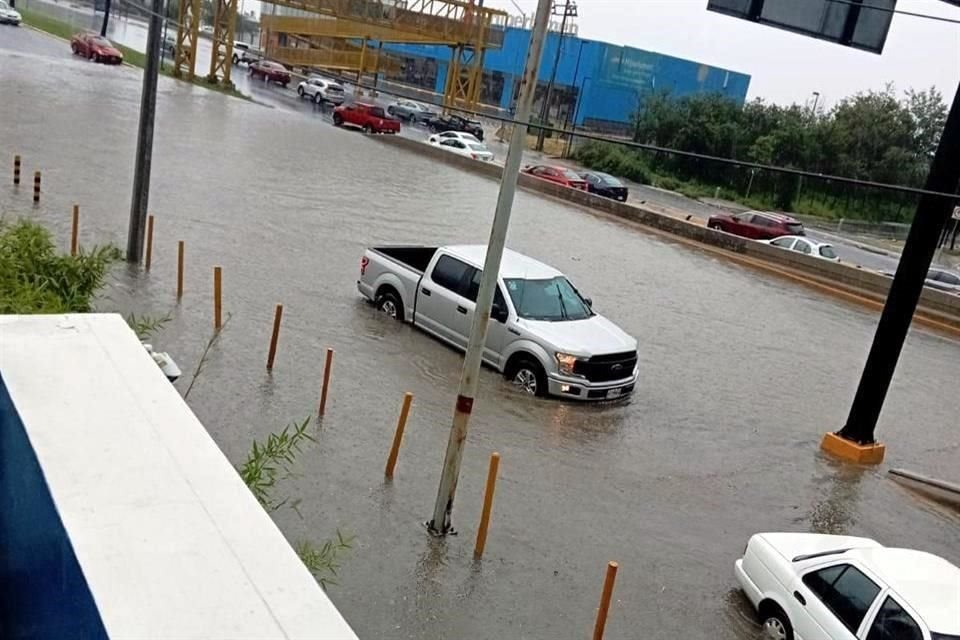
<point>545,107</point>
<point>932,214</point>
<point>566,124</point>
<point>106,17</point>
<point>141,171</point>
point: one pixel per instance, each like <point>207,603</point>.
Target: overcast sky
<point>784,67</point>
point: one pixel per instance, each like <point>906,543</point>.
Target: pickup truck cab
<point>543,335</point>
<point>368,117</point>
<point>809,586</point>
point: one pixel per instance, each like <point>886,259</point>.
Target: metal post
<point>141,171</point>
<point>576,106</point>
<point>576,114</point>
<point>932,214</point>
<point>545,107</point>
<point>440,524</point>
<point>106,17</point>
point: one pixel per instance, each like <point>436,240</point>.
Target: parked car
<point>92,45</point>
<point>470,148</point>
<point>207,29</point>
<point>270,72</point>
<point>806,246</point>
<point>169,46</point>
<point>758,225</point>
<point>448,135</point>
<point>411,111</point>
<point>544,336</point>
<point>560,175</point>
<point>944,280</point>
<point>321,90</point>
<point>368,117</point>
<point>9,15</point>
<point>454,122</point>
<point>809,586</point>
<point>245,53</point>
<point>604,184</point>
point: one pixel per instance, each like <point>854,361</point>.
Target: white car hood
<point>590,337</point>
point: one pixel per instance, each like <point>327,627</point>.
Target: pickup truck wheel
<point>367,129</point>
<point>529,376</point>
<point>390,304</point>
<point>776,625</point>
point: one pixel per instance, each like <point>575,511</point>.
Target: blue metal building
<point>599,83</point>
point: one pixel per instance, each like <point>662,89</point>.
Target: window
<point>783,242</point>
<point>893,623</point>
<point>539,171</point>
<point>473,288</point>
<point>449,273</point>
<point>802,247</point>
<point>551,299</point>
<point>846,592</point>
<point>827,252</point>
<point>569,175</point>
<point>762,221</point>
<point>377,112</point>
<point>448,134</point>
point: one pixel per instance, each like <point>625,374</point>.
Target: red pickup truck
<point>369,117</point>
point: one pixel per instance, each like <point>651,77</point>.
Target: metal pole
<point>566,124</point>
<point>440,524</point>
<point>141,171</point>
<point>545,107</point>
<point>576,114</point>
<point>163,45</point>
<point>106,17</point>
<point>932,214</point>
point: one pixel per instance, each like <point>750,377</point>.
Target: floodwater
<point>741,374</point>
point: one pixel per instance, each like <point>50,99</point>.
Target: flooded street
<point>741,374</point>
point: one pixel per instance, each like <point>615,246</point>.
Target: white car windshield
<point>3,5</point>
<point>552,299</point>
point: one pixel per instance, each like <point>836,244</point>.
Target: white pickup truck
<point>543,335</point>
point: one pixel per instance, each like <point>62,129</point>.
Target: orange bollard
<point>149,256</point>
<point>487,505</point>
<point>605,600</point>
<point>16,170</point>
<point>398,434</point>
<point>179,269</point>
<point>36,187</point>
<point>278,314</point>
<point>217,289</point>
<point>75,231</point>
<point>326,382</point>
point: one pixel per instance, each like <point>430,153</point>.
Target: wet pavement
<point>741,374</point>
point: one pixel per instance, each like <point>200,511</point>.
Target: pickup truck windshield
<point>553,299</point>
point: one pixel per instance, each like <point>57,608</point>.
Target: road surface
<point>741,374</point>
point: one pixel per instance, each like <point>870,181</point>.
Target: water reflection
<point>838,487</point>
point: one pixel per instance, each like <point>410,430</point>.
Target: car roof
<point>807,239</point>
<point>928,583</point>
<point>513,265</point>
<point>364,104</point>
<point>780,217</point>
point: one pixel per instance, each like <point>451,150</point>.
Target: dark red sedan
<point>92,45</point>
<point>560,175</point>
<point>270,72</point>
<point>757,225</point>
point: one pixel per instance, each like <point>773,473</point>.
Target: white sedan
<point>465,147</point>
<point>809,586</point>
<point>805,245</point>
<point>437,138</point>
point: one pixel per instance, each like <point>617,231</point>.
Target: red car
<point>270,72</point>
<point>369,117</point>
<point>560,175</point>
<point>92,45</point>
<point>757,225</point>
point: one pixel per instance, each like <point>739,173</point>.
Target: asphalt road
<point>741,374</point>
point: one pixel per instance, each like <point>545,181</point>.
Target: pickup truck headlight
<point>566,363</point>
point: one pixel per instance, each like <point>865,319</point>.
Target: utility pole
<point>933,212</point>
<point>440,524</point>
<point>569,10</point>
<point>148,107</point>
<point>106,17</point>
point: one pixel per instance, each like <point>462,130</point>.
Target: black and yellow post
<point>36,187</point>
<point>16,170</point>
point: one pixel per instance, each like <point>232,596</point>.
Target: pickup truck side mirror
<point>589,302</point>
<point>499,313</point>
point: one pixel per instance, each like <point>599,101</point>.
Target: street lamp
<point>569,10</point>
<point>816,99</point>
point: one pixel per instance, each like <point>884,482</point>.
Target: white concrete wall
<point>169,539</point>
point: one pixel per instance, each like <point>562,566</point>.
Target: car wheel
<point>337,120</point>
<point>389,303</point>
<point>529,377</point>
<point>390,110</point>
<point>236,59</point>
<point>300,91</point>
<point>776,625</point>
<point>317,98</point>
<point>367,129</point>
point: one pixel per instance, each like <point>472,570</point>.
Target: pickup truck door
<point>831,603</point>
<point>463,320</point>
<point>438,297</point>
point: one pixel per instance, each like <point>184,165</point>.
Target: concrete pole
<point>440,524</point>
<point>148,107</point>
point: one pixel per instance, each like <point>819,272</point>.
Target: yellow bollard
<point>326,382</point>
<point>149,256</point>
<point>487,505</point>
<point>398,434</point>
<point>278,314</point>
<point>179,269</point>
<point>217,289</point>
<point>16,170</point>
<point>36,187</point>
<point>75,231</point>
<point>605,600</point>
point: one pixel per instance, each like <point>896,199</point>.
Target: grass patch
<point>133,57</point>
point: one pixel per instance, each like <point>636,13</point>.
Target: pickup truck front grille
<point>611,366</point>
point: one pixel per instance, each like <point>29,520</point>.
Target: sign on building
<point>861,24</point>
